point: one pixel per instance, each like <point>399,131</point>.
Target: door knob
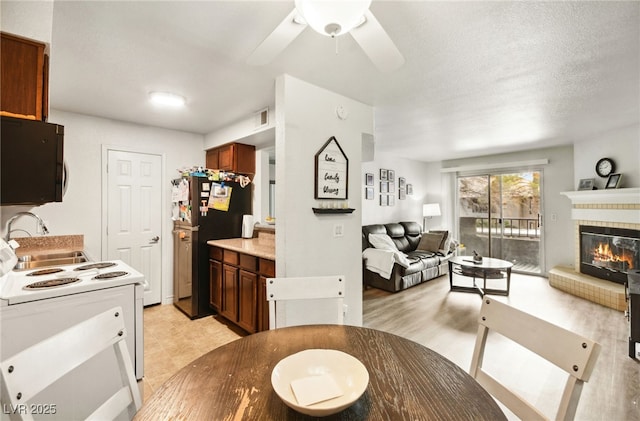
<point>154,240</point>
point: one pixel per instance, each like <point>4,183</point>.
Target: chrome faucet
<point>43,227</point>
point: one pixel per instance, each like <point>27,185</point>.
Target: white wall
<point>305,244</point>
<point>81,208</point>
<point>423,176</point>
<point>29,19</point>
<point>245,130</point>
<point>623,146</point>
<point>557,177</point>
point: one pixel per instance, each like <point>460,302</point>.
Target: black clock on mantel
<point>605,167</point>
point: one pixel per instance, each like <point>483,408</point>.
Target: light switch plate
<point>338,230</point>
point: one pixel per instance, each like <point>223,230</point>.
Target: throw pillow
<point>430,241</point>
<point>446,239</point>
<point>382,241</point>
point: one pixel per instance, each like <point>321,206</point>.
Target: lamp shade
<point>332,18</point>
<point>431,209</point>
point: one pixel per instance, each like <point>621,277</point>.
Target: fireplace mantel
<point>606,196</point>
<point>609,205</point>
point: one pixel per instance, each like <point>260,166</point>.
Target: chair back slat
<point>36,368</point>
<point>305,300</point>
<point>573,353</point>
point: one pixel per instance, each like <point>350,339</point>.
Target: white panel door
<point>134,218</point>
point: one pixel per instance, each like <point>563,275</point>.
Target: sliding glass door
<point>499,215</point>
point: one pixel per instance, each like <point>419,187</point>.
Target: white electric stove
<point>35,304</point>
<point>44,283</point>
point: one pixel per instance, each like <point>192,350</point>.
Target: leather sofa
<point>423,265</point>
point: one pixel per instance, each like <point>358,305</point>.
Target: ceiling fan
<point>332,18</point>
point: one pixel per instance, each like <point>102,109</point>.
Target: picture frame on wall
<point>586,184</point>
<point>383,174</point>
<point>402,182</point>
<point>384,187</point>
<point>392,187</point>
<point>368,193</point>
<point>368,179</point>
<point>383,199</point>
<point>391,175</point>
<point>613,182</point>
<point>409,189</point>
<point>402,194</point>
<point>391,200</point>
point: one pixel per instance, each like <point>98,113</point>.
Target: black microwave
<point>31,162</point>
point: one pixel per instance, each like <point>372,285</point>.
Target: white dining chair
<point>569,351</point>
<point>34,369</point>
<point>306,300</point>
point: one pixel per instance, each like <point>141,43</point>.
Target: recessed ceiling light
<point>167,99</point>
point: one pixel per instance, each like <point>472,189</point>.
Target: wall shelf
<point>332,210</point>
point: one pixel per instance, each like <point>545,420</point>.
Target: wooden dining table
<point>407,381</point>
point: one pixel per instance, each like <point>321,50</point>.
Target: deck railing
<point>513,227</point>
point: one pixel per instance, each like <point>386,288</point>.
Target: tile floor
<point>172,340</point>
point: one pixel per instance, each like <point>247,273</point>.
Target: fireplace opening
<point>609,253</point>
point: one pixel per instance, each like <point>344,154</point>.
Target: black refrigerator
<point>202,210</point>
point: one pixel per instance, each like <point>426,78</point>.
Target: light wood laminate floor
<point>446,322</point>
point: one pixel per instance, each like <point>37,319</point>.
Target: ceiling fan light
<point>167,99</point>
<point>331,17</point>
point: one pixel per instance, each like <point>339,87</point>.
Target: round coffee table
<point>488,268</point>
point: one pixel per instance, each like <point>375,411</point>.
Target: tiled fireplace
<point>603,212</point>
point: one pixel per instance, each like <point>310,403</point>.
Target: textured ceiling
<point>479,77</point>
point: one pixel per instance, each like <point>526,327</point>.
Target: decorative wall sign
<point>332,171</point>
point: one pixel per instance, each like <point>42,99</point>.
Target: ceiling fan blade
<point>277,41</point>
<point>375,42</point>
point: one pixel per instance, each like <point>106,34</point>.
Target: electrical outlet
<point>338,230</point>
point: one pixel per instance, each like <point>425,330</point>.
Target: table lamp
<point>429,210</point>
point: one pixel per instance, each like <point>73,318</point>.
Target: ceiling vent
<point>262,118</point>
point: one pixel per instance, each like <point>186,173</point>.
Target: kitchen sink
<point>51,259</point>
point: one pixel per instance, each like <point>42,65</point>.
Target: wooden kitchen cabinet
<point>247,294</point>
<point>267,270</point>
<point>24,76</point>
<point>215,279</point>
<point>229,304</point>
<point>238,287</point>
<point>232,157</point>
<point>212,159</point>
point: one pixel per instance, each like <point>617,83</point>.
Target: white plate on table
<point>345,372</point>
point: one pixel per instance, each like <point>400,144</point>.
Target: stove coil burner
<point>100,265</point>
<point>110,275</point>
<point>44,272</point>
<point>51,283</point>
